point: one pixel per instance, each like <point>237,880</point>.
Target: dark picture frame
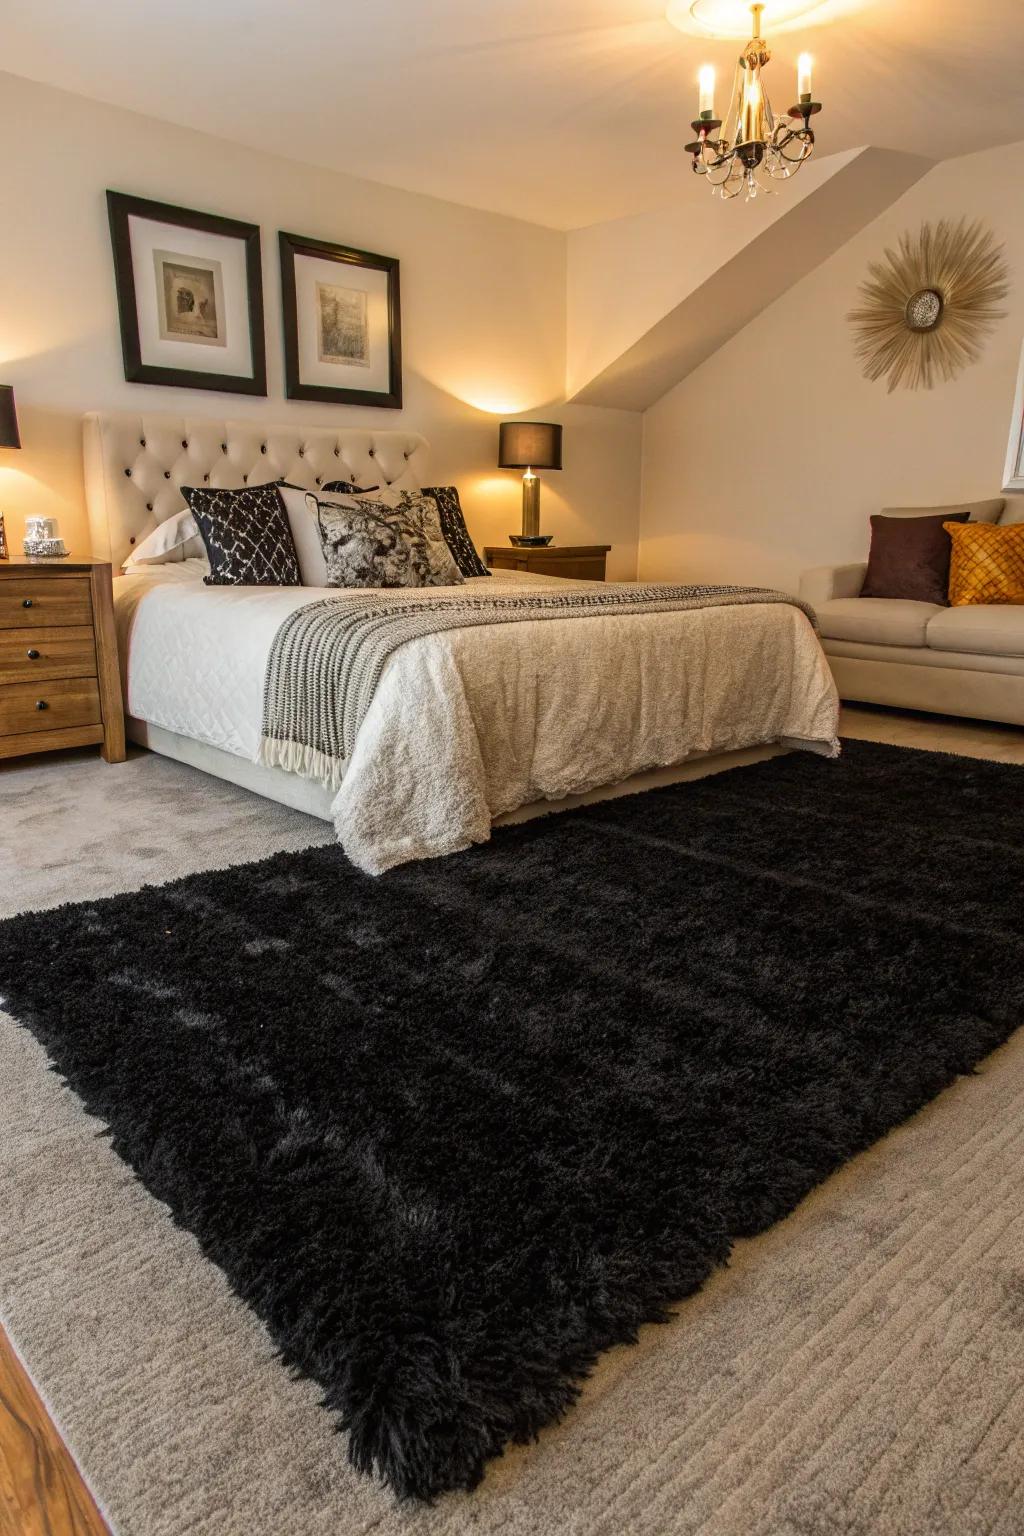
<point>122,206</point>
<point>294,248</point>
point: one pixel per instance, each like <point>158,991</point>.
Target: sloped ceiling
<point>710,290</point>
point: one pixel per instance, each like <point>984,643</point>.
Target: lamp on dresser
<point>530,445</point>
<point>10,437</point>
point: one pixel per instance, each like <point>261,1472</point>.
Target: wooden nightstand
<point>60,685</point>
<point>580,562</point>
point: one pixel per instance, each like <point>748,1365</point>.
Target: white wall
<point>771,456</point>
<point>483,316</point>
<point>626,274</point>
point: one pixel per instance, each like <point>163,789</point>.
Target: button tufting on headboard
<point>135,466</point>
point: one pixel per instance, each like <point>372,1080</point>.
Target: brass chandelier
<point>751,147</point>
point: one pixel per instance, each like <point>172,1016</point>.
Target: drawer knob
<point>33,655</point>
<point>26,602</point>
<point>41,704</point>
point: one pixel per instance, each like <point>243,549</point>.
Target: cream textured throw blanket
<point>328,657</point>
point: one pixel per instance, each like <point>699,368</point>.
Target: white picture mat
<point>1013,477</point>
<point>147,236</point>
<point>310,270</point>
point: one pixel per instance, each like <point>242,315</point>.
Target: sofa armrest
<point>826,582</point>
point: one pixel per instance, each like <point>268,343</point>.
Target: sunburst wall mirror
<point>928,307</point>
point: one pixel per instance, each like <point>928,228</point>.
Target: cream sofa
<point>954,661</point>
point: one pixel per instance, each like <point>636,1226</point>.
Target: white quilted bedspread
<point>469,724</point>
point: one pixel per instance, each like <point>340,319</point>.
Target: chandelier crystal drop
<point>752,148</point>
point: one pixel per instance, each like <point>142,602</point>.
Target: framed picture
<point>342,324</point>
<point>1013,477</point>
<point>189,296</point>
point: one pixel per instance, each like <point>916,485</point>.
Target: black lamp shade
<point>10,437</point>
<point>529,445</point>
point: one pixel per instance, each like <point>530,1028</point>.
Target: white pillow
<point>303,517</point>
<point>176,539</point>
<point>305,536</point>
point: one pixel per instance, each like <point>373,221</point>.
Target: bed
<point>465,726</point>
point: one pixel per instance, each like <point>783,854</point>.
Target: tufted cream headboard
<point>136,465</point>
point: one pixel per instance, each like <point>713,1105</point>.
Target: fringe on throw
<point>295,757</point>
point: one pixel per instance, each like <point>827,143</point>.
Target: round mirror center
<point>924,310</point>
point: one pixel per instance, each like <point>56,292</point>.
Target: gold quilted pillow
<point>987,564</point>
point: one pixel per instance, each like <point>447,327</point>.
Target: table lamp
<point>10,437</point>
<point>530,445</point>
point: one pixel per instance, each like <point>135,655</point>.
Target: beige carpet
<point>860,1369</point>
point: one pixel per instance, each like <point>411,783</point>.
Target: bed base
<point>314,800</point>
<point>273,783</point>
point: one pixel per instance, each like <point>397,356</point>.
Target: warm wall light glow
<point>497,396</point>
<point>24,495</point>
<point>492,401</point>
<point>731,18</point>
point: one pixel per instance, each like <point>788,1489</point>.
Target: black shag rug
<point>453,1132</point>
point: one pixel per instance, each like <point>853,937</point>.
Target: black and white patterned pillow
<point>247,536</point>
<point>346,488</point>
<point>453,526</point>
<point>369,543</point>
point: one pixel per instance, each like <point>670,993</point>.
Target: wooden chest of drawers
<point>59,679</point>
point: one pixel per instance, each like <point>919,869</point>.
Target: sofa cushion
<point>1013,512</point>
<point>910,557</point>
<point>983,630</point>
<point>876,620</point>
<point>978,511</point>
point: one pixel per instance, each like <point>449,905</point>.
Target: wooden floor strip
<point>41,1489</point>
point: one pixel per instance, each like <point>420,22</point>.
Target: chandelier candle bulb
<point>803,77</point>
<point>707,91</point>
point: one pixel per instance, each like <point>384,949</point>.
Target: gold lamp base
<point>531,505</point>
<point>531,536</point>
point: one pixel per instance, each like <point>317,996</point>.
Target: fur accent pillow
<point>368,543</point>
<point>247,536</point>
<point>453,526</point>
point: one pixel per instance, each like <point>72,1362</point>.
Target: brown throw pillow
<point>910,557</point>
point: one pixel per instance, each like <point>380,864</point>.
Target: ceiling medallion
<point>927,308</point>
<point>754,147</point>
<point>731,18</point>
